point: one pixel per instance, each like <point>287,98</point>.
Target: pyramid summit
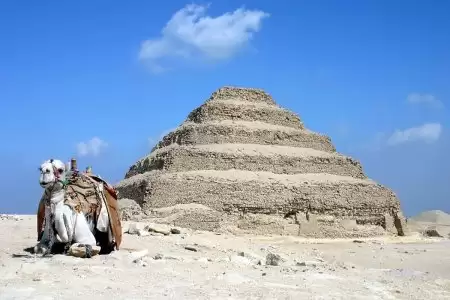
<point>242,163</point>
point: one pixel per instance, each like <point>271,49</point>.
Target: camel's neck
<point>55,194</point>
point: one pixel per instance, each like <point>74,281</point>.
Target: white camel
<point>62,223</point>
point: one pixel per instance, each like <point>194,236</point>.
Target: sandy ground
<point>227,267</point>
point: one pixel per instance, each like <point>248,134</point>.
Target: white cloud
<point>92,147</point>
<point>427,99</point>
<point>429,132</point>
<point>191,32</point>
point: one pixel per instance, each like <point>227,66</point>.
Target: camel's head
<point>52,171</point>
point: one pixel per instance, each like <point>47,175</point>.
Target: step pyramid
<point>242,163</point>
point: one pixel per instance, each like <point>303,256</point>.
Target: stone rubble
<point>10,217</point>
<point>146,229</point>
<point>243,266</point>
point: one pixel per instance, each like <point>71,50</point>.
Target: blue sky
<point>100,80</point>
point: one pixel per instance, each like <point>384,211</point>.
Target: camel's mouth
<point>44,184</point>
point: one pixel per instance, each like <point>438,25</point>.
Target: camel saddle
<point>83,195</point>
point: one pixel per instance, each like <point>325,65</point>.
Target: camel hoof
<point>40,250</point>
<point>37,249</point>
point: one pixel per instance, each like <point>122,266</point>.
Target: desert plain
<point>160,262</point>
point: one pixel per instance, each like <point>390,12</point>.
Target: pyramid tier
<point>241,132</point>
<point>242,94</point>
<point>217,110</point>
<point>249,157</point>
<point>236,192</point>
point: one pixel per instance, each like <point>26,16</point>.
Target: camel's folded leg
<point>62,218</point>
<point>83,233</point>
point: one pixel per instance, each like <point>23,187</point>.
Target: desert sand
<point>188,264</point>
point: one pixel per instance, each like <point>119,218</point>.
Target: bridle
<point>56,174</point>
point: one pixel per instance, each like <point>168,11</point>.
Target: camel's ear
<point>51,160</point>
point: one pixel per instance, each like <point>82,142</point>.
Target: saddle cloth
<point>85,193</point>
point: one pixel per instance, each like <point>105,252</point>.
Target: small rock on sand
<point>143,233</point>
<point>309,263</point>
<point>136,256</point>
<point>273,259</point>
<point>432,232</point>
<point>190,248</point>
<point>134,228</point>
<point>158,228</point>
<point>175,231</point>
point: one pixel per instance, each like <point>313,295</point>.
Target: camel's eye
<point>60,170</point>
<point>47,171</point>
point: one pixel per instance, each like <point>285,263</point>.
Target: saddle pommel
<point>73,164</point>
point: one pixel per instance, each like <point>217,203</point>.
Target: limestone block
<point>400,224</point>
<point>291,229</point>
<point>389,225</point>
<point>310,226</point>
<point>348,224</point>
<point>325,219</point>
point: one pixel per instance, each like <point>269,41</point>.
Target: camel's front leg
<point>45,243</point>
